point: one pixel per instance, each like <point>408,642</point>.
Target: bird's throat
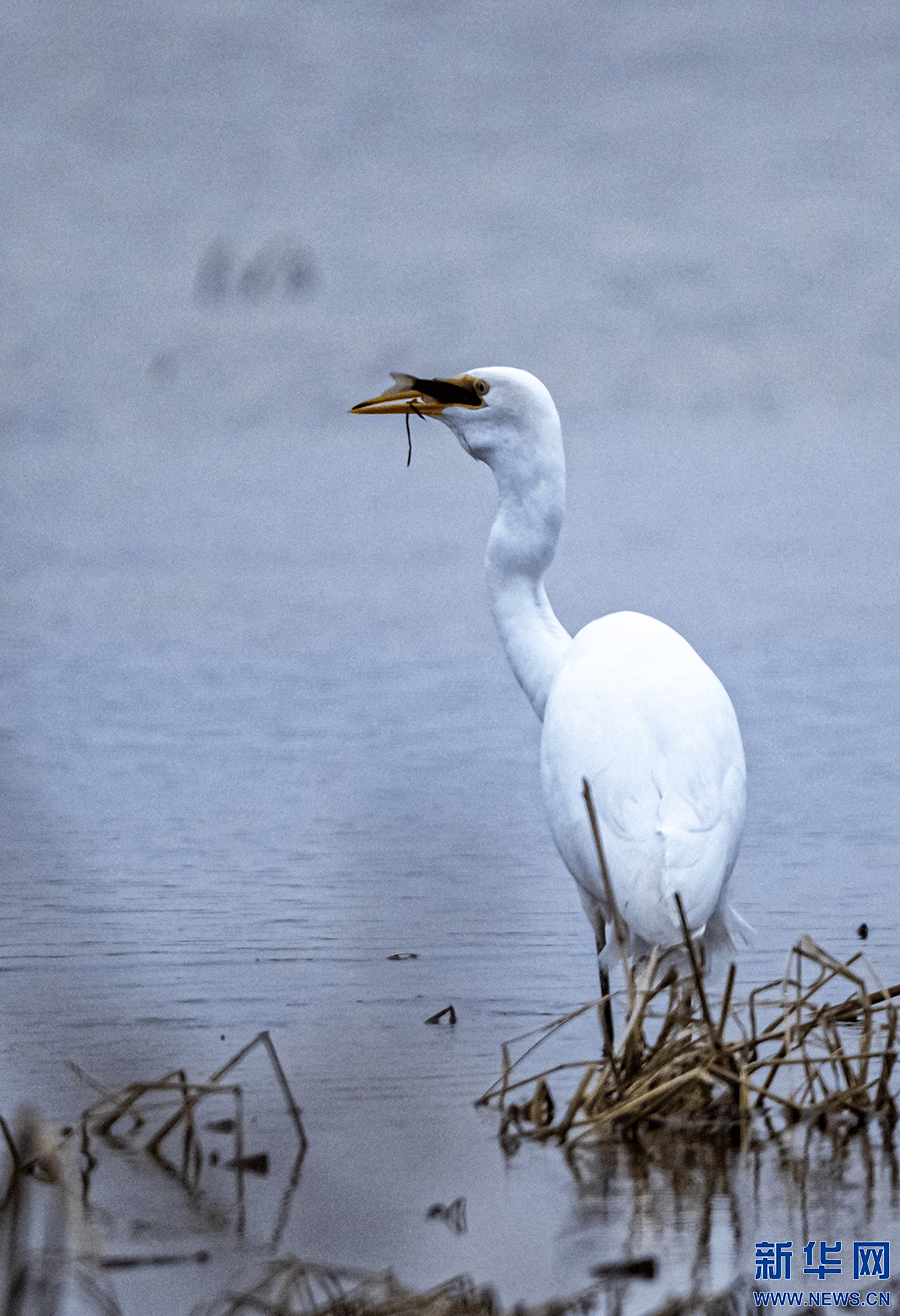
<point>520,549</point>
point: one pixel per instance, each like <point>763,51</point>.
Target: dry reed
<point>787,1054</point>
<point>138,1103</point>
<point>290,1287</point>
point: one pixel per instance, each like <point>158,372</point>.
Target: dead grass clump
<point>167,1109</point>
<point>50,1241</point>
<point>291,1287</point>
<point>788,1054</point>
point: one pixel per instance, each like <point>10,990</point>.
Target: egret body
<point>627,705</point>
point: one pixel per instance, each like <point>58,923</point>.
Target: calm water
<point>258,734</point>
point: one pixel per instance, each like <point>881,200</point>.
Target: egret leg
<point>606,1016</point>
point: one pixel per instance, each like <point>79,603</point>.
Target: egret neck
<point>531,483</point>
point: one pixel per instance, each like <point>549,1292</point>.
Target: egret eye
<point>482,387</point>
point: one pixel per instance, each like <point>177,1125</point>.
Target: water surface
<point>258,733</point>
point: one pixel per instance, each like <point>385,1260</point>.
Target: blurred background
<point>258,733</point>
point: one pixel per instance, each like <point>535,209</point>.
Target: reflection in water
<point>671,1191</point>
<point>686,1212</point>
<point>700,1205</point>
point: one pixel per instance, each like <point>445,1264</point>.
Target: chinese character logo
<point>773,1260</point>
<point>870,1260</point>
<point>829,1259</point>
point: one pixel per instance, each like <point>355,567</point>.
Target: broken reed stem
<point>536,1078</point>
<point>264,1039</point>
<point>726,1003</point>
<point>619,925</point>
<point>776,1061</point>
<point>876,1000</point>
<point>575,1104</point>
<point>544,1033</point>
<point>831,1033</point>
<point>671,1020</point>
<point>695,969</point>
<point>821,981</point>
<point>133,1092</point>
<point>636,1018</point>
<point>16,1168</point>
<point>190,1095</point>
<point>801,1060</point>
<point>239,1157</point>
<point>882,1096</point>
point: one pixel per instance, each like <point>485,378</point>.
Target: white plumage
<point>627,705</point>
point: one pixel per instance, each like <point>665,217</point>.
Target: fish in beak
<point>424,397</point>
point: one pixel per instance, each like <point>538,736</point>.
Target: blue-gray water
<point>258,734</point>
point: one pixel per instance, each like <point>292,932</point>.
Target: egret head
<point>494,412</point>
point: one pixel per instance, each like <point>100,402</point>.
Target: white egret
<point>627,705</point>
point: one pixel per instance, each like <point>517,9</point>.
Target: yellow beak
<point>424,397</point>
